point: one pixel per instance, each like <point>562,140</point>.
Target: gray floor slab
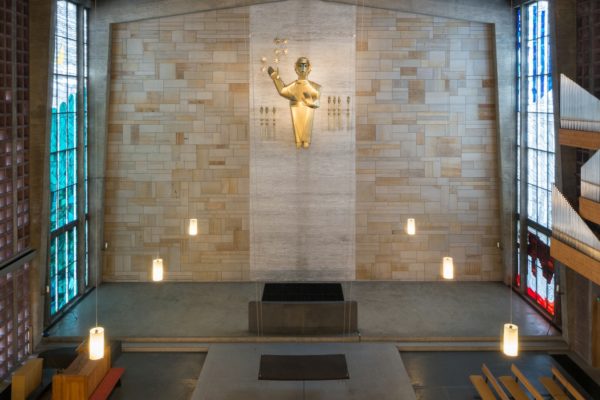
<point>230,372</point>
<point>404,309</point>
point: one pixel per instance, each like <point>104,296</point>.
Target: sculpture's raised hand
<point>270,71</point>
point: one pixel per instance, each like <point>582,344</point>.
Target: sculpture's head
<point>302,67</point>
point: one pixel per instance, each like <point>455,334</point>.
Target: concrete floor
<point>230,372</point>
<point>392,309</point>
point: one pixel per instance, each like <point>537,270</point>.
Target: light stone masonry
<point>426,148</point>
<point>178,148</point>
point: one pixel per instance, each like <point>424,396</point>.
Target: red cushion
<point>107,384</point>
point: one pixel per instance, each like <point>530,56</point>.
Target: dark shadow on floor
<point>148,376</point>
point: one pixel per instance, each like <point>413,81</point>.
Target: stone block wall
<point>178,148</point>
<point>426,147</point>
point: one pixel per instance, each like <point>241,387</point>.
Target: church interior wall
<point>426,147</point>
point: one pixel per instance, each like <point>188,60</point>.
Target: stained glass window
<point>535,142</point>
<point>68,128</point>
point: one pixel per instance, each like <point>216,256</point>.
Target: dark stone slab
<point>297,292</point>
<point>322,367</point>
<point>303,318</point>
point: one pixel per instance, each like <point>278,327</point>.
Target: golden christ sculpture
<point>304,97</point>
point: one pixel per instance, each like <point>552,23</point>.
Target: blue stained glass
<point>61,18</point>
<point>542,169</point>
<point>549,59</point>
<point>72,203</point>
<point>53,165</point>
<point>62,131</point>
<point>532,202</point>
<point>72,21</point>
<point>532,94</point>
<point>542,127</point>
<point>530,66</point>
<point>531,21</point>
<point>72,166</point>
<point>53,128</point>
<point>53,210</point>
<point>60,55</point>
<point>532,130</point>
<point>72,57</point>
<point>63,164</point>
<point>543,205</point>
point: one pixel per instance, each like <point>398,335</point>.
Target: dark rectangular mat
<point>303,292</point>
<point>321,367</point>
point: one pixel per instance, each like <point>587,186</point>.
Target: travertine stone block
<point>442,170</point>
<point>175,122</point>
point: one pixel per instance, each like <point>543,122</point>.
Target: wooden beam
<point>576,260</point>
<point>589,210</point>
<point>583,139</point>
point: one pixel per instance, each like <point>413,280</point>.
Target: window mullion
<point>80,171</point>
<point>523,212</point>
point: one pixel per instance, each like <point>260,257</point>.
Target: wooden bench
<point>481,385</point>
<point>105,388</point>
<point>26,379</point>
<point>81,378</point>
<point>512,384</point>
<point>554,388</point>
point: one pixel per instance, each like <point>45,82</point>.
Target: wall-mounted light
<point>448,268</point>
<point>193,227</point>
<point>411,228</point>
<point>157,269</point>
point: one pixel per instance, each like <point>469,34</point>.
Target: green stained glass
<point>53,172</point>
<point>53,126</point>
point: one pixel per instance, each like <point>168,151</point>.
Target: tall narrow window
<point>67,266</point>
<point>535,152</point>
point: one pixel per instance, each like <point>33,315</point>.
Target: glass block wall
<point>15,310</point>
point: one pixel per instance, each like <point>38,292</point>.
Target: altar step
<point>202,344</point>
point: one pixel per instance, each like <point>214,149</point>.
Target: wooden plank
<point>576,260</point>
<point>482,387</point>
<point>492,380</point>
<point>553,388</point>
<point>80,379</point>
<point>513,387</point>
<point>583,139</point>
<point>26,378</point>
<point>525,382</point>
<point>570,388</point>
<point>589,210</point>
<point>596,334</point>
<point>107,384</point>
